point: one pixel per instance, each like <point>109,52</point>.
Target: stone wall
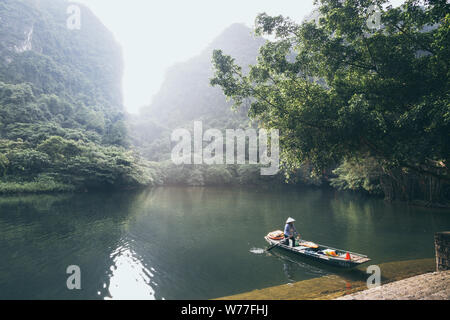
<point>442,245</point>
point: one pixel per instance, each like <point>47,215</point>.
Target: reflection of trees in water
<point>385,229</point>
<point>40,203</point>
<point>42,235</point>
<point>358,219</point>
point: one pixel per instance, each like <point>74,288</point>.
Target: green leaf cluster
<point>339,90</point>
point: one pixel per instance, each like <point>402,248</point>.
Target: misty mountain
<point>186,95</point>
<point>61,110</point>
<point>37,47</point>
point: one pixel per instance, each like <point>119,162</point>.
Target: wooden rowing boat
<point>331,256</point>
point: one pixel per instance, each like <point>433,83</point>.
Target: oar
<point>276,244</point>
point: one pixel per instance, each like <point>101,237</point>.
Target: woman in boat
<point>290,232</point>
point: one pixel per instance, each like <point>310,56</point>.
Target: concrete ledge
<point>333,286</point>
<point>442,246</point>
<point>429,286</point>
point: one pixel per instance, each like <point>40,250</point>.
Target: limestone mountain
<point>186,94</point>
<point>37,47</point>
<point>61,111</point>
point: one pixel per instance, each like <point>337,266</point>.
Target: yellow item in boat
<point>308,244</point>
<point>330,253</point>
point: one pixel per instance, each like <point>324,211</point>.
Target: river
<point>192,243</point>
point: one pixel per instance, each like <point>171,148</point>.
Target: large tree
<point>342,86</point>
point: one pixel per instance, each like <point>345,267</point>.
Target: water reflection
<point>190,243</point>
<point>292,265</point>
<point>129,278</point>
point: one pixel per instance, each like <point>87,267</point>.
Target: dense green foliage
<point>62,125</point>
<point>365,109</point>
<point>214,175</point>
<point>339,91</point>
<point>359,174</point>
<point>36,146</point>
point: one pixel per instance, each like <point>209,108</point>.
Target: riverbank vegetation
<point>370,103</point>
<point>360,106</point>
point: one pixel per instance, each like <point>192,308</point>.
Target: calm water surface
<point>192,243</point>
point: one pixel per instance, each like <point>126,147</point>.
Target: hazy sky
<point>156,34</point>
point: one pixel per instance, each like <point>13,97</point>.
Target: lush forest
<point>62,123</point>
<point>358,107</point>
<point>371,104</point>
